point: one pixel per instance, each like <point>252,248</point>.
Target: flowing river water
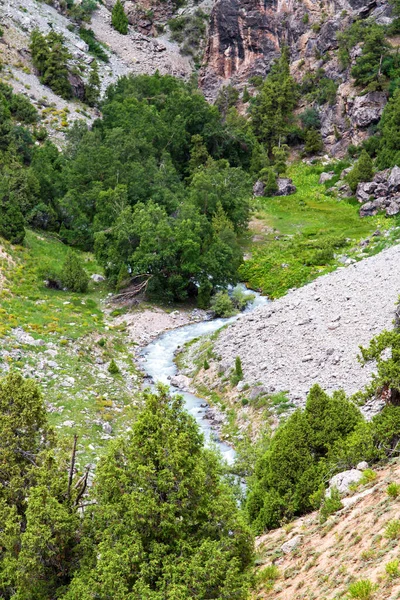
<point>157,361</point>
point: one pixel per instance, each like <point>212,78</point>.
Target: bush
<point>113,368</point>
<point>267,576</point>
<point>119,20</point>
<point>363,589</point>
<point>314,142</point>
<point>393,490</point>
<point>368,476</point>
<point>238,372</point>
<point>206,365</point>
<point>363,170</point>
<point>11,221</point>
<point>330,505</point>
<point>240,298</point>
<point>222,305</point>
<point>268,177</point>
<point>23,110</point>
<point>73,275</point>
<point>392,530</point>
<point>392,569</point>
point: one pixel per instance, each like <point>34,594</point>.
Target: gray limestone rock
<point>343,481</point>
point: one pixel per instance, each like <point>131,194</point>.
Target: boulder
<point>97,278</point>
<point>258,188</point>
<point>344,191</point>
<point>260,390</point>
<point>368,109</point>
<point>291,544</point>
<point>369,209</point>
<point>394,179</point>
<point>326,176</point>
<point>393,209</point>
<point>285,187</point>
<point>345,172</point>
<point>343,481</point>
<point>365,190</point>
<point>363,465</point>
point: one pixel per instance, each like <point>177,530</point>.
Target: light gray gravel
<point>312,335</point>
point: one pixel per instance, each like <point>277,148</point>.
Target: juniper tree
<point>119,20</point>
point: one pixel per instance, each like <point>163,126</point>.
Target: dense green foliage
<point>73,275</point>
<point>363,170</point>
<point>165,525</point>
<point>50,58</point>
<point>272,109</point>
<point>293,468</point>
<point>162,520</point>
<point>119,20</point>
<point>329,436</point>
<point>388,153</point>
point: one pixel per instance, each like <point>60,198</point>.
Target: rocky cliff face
<point>245,36</point>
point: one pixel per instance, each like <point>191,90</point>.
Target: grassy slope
<point>80,392</point>
<point>351,546</point>
<point>300,236</point>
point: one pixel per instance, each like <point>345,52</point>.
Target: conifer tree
<point>165,523</point>
<point>119,19</point>
<point>73,275</point>
<point>92,88</point>
<point>314,142</point>
<point>363,170</point>
<point>11,219</point>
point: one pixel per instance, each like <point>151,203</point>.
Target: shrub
<point>238,372</point>
<point>268,576</point>
<point>113,368</point>
<point>392,530</point>
<point>222,305</point>
<point>363,170</point>
<point>73,275</point>
<point>368,476</point>
<point>363,589</point>
<point>268,177</point>
<point>240,299</point>
<point>204,294</point>
<point>330,505</point>
<point>206,365</point>
<point>119,20</point>
<point>314,142</point>
<point>393,490</point>
<point>392,569</point>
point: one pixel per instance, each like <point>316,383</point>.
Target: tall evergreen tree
<point>165,524</point>
<point>119,20</point>
<point>272,109</point>
<point>92,88</point>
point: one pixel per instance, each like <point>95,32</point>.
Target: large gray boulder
<point>368,109</point>
<point>326,176</point>
<point>258,188</point>
<point>394,179</point>
<point>285,187</point>
<point>343,481</point>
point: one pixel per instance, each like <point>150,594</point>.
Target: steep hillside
<point>314,560</point>
<point>246,37</point>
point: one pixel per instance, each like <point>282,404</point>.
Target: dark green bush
<point>119,20</point>
<point>73,275</point>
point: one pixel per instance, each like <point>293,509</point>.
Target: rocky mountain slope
<point>241,40</point>
<point>313,334</point>
<point>314,560</point>
<point>246,37</point>
<point>132,53</point>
